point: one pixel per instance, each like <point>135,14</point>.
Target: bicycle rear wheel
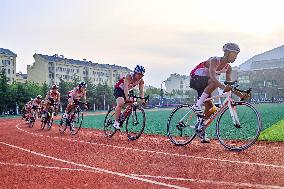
<point>181,125</point>
<point>238,137</point>
<point>108,123</point>
<point>135,123</point>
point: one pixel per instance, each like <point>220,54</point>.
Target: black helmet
<point>82,84</point>
<point>139,69</point>
<point>54,87</point>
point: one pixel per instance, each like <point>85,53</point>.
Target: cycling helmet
<point>82,84</point>
<point>39,97</point>
<point>54,87</point>
<point>231,47</point>
<point>139,69</point>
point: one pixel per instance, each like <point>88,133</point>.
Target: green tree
<point>4,89</point>
<point>44,89</point>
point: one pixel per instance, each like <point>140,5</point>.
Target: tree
<point>44,89</point>
<point>103,93</point>
<point>4,87</point>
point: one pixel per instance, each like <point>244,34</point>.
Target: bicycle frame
<point>227,102</point>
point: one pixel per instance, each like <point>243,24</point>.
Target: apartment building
<point>177,82</point>
<point>264,74</point>
<point>50,69</point>
<point>8,63</point>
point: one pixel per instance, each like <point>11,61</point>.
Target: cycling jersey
<point>53,95</point>
<point>132,84</point>
<point>202,70</point>
<point>75,93</point>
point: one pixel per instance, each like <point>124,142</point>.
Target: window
<point>269,83</point>
<point>274,83</point>
<point>8,71</point>
<point>244,79</point>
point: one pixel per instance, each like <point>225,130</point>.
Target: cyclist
<point>27,110</point>
<point>74,96</point>
<point>52,98</point>
<point>36,105</point>
<point>204,80</point>
<point>122,87</point>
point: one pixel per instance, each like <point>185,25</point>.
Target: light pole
<point>161,94</point>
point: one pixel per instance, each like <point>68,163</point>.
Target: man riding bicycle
<point>36,105</point>
<point>52,98</point>
<point>74,96</point>
<point>122,87</point>
<point>204,80</point>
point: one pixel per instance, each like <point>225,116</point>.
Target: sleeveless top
<point>120,82</point>
<point>202,70</point>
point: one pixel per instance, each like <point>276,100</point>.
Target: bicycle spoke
<point>181,125</point>
<point>239,138</point>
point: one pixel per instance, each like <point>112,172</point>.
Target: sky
<point>165,36</point>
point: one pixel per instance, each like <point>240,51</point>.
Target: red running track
<point>35,158</point>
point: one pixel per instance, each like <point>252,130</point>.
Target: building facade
<point>177,82</point>
<point>21,78</point>
<point>51,69</point>
<point>264,74</point>
<point>8,63</point>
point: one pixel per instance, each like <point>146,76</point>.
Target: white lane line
<point>94,168</point>
<point>171,154</point>
<point>45,167</point>
<point>237,184</point>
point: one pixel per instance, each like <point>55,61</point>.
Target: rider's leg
<point>118,108</point>
<point>68,108</point>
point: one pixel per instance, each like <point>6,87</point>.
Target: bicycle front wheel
<point>242,132</point>
<point>77,122</point>
<point>108,123</point>
<point>63,125</point>
<point>181,125</point>
<point>135,123</point>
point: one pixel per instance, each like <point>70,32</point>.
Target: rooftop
<point>267,60</point>
<point>7,52</point>
<point>58,58</point>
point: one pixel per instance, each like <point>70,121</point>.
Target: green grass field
<point>157,121</point>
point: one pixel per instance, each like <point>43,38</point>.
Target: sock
<point>202,99</point>
<point>116,122</point>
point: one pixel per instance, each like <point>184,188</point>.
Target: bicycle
<point>134,116</point>
<point>237,128</point>
<point>32,117</point>
<point>47,120</point>
<point>74,120</point>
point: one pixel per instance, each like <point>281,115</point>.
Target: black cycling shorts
<point>118,92</point>
<point>199,83</point>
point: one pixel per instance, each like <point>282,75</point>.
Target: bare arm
<point>212,73</point>
<point>85,97</point>
<point>141,88</point>
<point>126,84</point>
<point>228,73</point>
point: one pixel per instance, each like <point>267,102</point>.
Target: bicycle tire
<point>77,122</point>
<point>49,124</point>
<point>133,132</point>
<point>180,132</point>
<point>62,125</point>
<point>239,137</point>
<point>43,122</point>
<point>109,130</point>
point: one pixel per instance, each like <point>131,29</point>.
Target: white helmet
<point>231,47</point>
